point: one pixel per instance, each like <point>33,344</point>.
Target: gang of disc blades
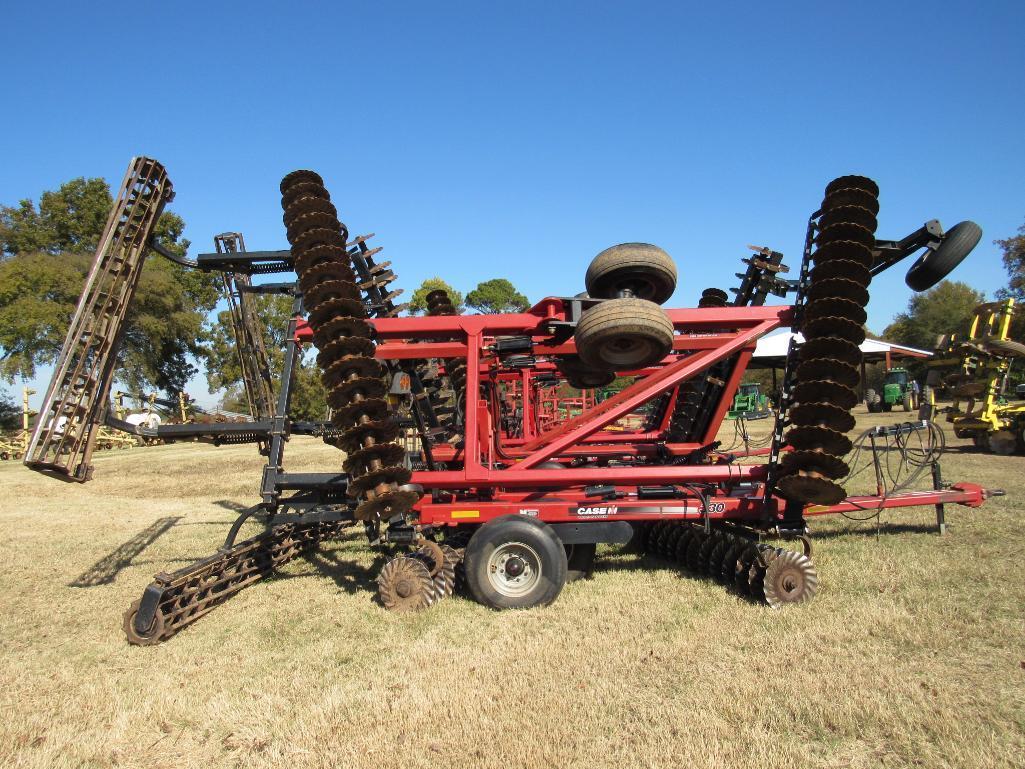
<point>396,474</point>
<point>343,394</point>
<point>335,308</point>
<point>815,461</point>
<point>808,489</point>
<point>838,288</point>
<point>824,391</point>
<point>845,231</point>
<point>324,272</point>
<point>839,328</point>
<point>844,250</point>
<point>332,289</point>
<point>302,176</point>
<point>816,437</point>
<point>318,254</point>
<point>343,347</point>
<point>358,462</point>
<point>325,236</point>
<point>824,414</point>
<point>850,214</point>
<point>850,196</point>
<point>831,347</point>
<point>841,268</point>
<point>310,223</point>
<point>827,368</point>
<point>302,190</point>
<point>835,308</point>
<point>309,204</point>
<point>373,409</point>
<point>853,182</point>
<point>341,328</point>
<point>380,431</point>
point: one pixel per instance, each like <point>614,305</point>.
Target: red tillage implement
<point>476,444</point>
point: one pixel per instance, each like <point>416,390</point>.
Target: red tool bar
<point>552,309</point>
<point>513,477</point>
<point>575,507</point>
<point>968,494</point>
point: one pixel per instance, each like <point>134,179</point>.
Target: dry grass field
<point>913,653</point>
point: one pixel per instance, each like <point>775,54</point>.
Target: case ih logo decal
<point>594,510</point>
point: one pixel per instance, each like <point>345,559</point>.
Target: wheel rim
<point>626,350</point>
<point>514,569</point>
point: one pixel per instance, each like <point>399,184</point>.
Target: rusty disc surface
<point>827,368</point>
<point>816,437</point>
<point>822,414</point>
<point>808,489</point>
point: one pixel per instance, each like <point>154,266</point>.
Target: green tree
<point>944,309</point>
<point>223,371</point>
<point>496,296</point>
<point>418,304</point>
<point>45,254</point>
<point>10,413</point>
<point>1014,263</point>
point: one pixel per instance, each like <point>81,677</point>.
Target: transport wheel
<point>515,562</point>
<point>646,271</point>
<point>581,376</point>
<point>151,636</point>
<point>933,266</point>
<point>579,561</point>
<point>623,334</point>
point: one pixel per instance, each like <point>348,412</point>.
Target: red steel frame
<point>499,475</point>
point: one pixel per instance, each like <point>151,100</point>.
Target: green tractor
<point>898,390</point>
<point>750,403</point>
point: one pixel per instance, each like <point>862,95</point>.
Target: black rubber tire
<point>623,334</point>
<point>872,400</point>
<point>580,561</point>
<point>502,531</point>
<point>1006,348</point>
<point>887,407</point>
<point>934,266</point>
<point>926,407</point>
<point>581,376</point>
<point>641,268</point>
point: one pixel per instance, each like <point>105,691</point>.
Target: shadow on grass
<point>235,507</point>
<point>347,574</point>
<point>869,529</point>
<point>107,568</point>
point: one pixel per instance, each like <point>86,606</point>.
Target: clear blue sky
<point>517,140</point>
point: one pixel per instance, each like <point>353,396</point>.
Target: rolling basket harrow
<point>497,494</point>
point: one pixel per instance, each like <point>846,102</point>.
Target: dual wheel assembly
<point>628,330</point>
